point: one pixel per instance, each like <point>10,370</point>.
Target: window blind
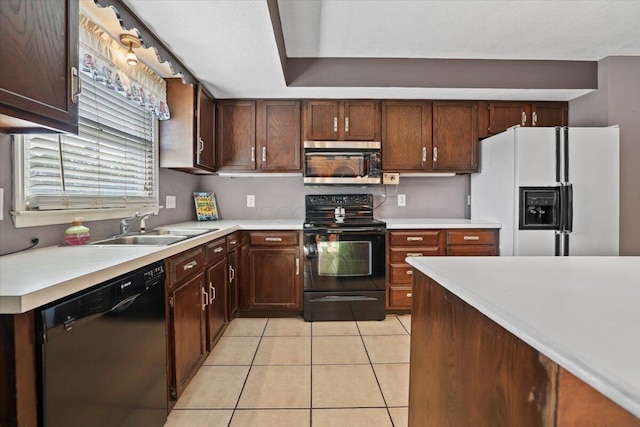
<point>110,163</point>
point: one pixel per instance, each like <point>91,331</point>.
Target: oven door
<point>344,260</point>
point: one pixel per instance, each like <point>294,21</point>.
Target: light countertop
<point>432,223</point>
<point>581,312</point>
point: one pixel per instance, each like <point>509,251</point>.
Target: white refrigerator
<point>555,190</point>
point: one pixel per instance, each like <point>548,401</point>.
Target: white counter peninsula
<point>525,341</point>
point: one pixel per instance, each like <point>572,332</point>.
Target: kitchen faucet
<point>127,223</point>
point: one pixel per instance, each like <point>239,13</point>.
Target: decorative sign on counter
<point>206,206</point>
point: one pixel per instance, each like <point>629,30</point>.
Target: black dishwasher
<point>102,354</point>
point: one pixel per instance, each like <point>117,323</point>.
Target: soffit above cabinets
<point>428,49</point>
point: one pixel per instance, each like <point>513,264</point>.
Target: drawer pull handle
<point>297,266</point>
<point>409,294</point>
<point>190,265</point>
<point>273,239</point>
<point>471,237</point>
<point>414,253</point>
<point>212,292</point>
<point>414,239</point>
<point>218,249</point>
<point>232,274</point>
<point>410,272</point>
<point>233,242</point>
<point>205,300</point>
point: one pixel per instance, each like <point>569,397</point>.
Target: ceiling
<point>232,46</point>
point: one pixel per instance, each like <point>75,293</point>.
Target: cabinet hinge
<point>174,393</point>
<point>170,301</point>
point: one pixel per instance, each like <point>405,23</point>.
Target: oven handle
<point>333,298</point>
<point>354,230</point>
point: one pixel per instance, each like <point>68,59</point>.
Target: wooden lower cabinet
<point>216,301</point>
<point>232,300</point>
<point>188,331</point>
<point>274,282</point>
<point>466,370</point>
<point>424,242</point>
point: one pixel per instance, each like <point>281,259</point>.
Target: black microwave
<point>342,162</point>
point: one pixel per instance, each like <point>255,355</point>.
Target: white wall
<point>617,102</point>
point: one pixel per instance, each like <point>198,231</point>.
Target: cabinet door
<point>503,115</point>
<point>361,121</point>
<point>217,307</point>
<point>237,134</point>
<point>406,136</point>
<point>39,65</point>
<point>274,279</point>
<point>205,143</point>
<point>188,329</point>
<point>232,296</point>
<point>278,134</point>
<point>321,120</point>
<point>549,114</point>
<point>455,136</point>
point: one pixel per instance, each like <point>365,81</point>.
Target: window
<point>111,165</point>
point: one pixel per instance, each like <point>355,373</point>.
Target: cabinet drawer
<point>471,237</point>
<point>216,250</point>
<point>400,273</point>
<point>275,238</point>
<point>186,264</point>
<point>411,238</point>
<point>400,296</point>
<point>233,241</point>
<point>398,255</point>
<point>472,250</point>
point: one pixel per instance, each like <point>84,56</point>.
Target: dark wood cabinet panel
<point>278,135</point>
<point>503,115</point>
<point>39,65</point>
<point>321,120</point>
<point>406,136</point>
<point>326,120</point>
<point>187,139</point>
<point>206,143</point>
<point>236,127</point>
<point>188,330</point>
<point>361,121</point>
<point>232,274</point>
<point>455,136</point>
<point>274,275</point>
<point>217,301</point>
<point>547,114</point>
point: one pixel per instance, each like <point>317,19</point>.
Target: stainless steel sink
<point>141,240</point>
<point>157,237</point>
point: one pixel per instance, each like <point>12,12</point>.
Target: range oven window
<point>350,258</point>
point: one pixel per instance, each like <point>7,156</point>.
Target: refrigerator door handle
<point>557,245</point>
<point>568,208</point>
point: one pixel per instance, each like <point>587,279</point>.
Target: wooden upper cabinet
<point>39,65</point>
<point>206,142</point>
<point>326,120</point>
<point>496,117</point>
<point>455,136</point>
<point>406,136</point>
<point>545,114</point>
<point>236,128</point>
<point>278,136</point>
<point>361,121</point>
<point>187,139</point>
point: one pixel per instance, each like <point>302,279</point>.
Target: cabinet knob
<point>410,272</point>
<point>409,294</point>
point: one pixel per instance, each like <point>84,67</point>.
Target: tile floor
<point>290,373</point>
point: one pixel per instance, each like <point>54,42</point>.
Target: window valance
<point>103,59</point>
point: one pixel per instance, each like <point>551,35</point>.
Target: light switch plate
<point>402,200</point>
<point>170,202</point>
<point>251,201</point>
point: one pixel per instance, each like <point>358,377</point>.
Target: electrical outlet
<point>402,200</point>
<point>391,178</point>
<point>251,201</point>
<point>170,202</point>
